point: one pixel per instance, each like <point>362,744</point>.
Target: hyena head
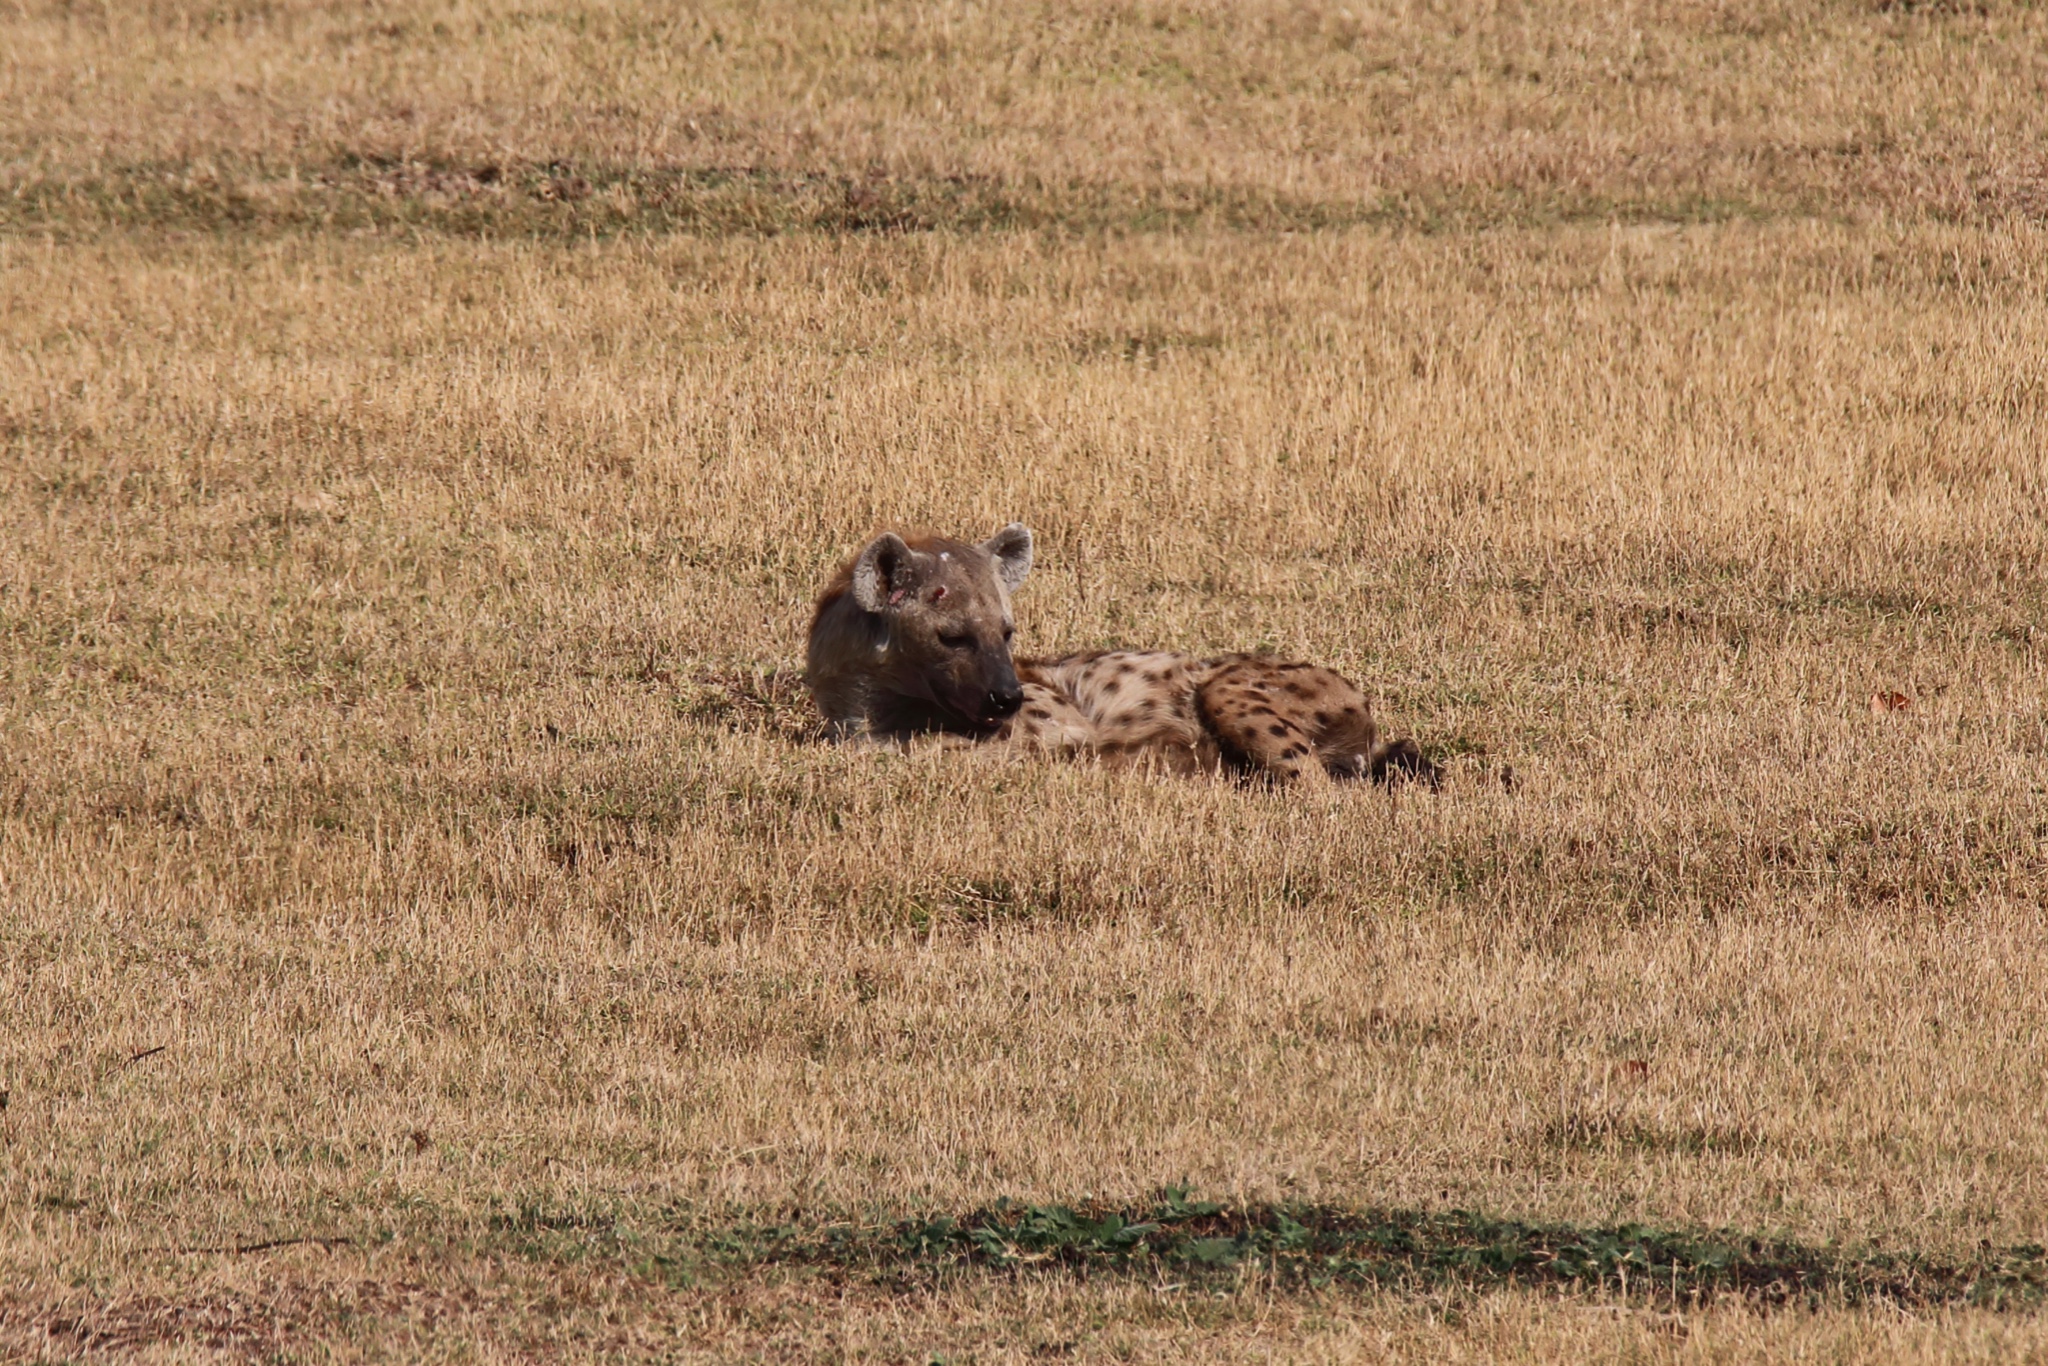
<point>915,634</point>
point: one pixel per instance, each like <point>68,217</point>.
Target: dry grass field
<point>431,929</point>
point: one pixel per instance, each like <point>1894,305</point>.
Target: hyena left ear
<point>1010,548</point>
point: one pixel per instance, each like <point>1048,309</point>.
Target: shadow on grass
<point>769,701</point>
<point>560,201</point>
<point>1317,1247</point>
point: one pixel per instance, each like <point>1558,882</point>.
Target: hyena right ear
<point>1011,550</point>
<point>883,570</point>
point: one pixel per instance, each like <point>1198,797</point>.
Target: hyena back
<point>913,636</point>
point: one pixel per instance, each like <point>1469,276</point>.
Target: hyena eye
<point>1009,631</point>
<point>957,642</point>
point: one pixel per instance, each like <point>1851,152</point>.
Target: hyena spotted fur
<point>913,636</point>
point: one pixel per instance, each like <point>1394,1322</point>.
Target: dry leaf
<point>1885,703</point>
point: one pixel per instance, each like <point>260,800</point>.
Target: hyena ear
<point>1010,548</point>
<point>885,568</point>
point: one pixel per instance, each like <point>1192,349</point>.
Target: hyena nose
<point>1005,701</point>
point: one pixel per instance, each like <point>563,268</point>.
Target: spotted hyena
<point>913,636</point>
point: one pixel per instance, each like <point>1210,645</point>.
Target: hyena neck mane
<point>913,634</point>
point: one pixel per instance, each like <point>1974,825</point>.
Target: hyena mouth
<point>996,709</point>
<point>950,713</point>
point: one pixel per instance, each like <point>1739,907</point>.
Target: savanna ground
<point>430,929</point>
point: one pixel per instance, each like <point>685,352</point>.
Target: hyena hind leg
<point>1260,731</point>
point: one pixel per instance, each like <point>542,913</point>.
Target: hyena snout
<point>978,689</point>
<point>995,695</point>
<point>1002,701</point>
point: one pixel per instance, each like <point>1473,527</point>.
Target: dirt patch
<point>234,1325</point>
<point>253,1325</point>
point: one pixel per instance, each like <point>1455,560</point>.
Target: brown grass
<point>408,816</point>
<point>362,1310</point>
<point>1160,112</point>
